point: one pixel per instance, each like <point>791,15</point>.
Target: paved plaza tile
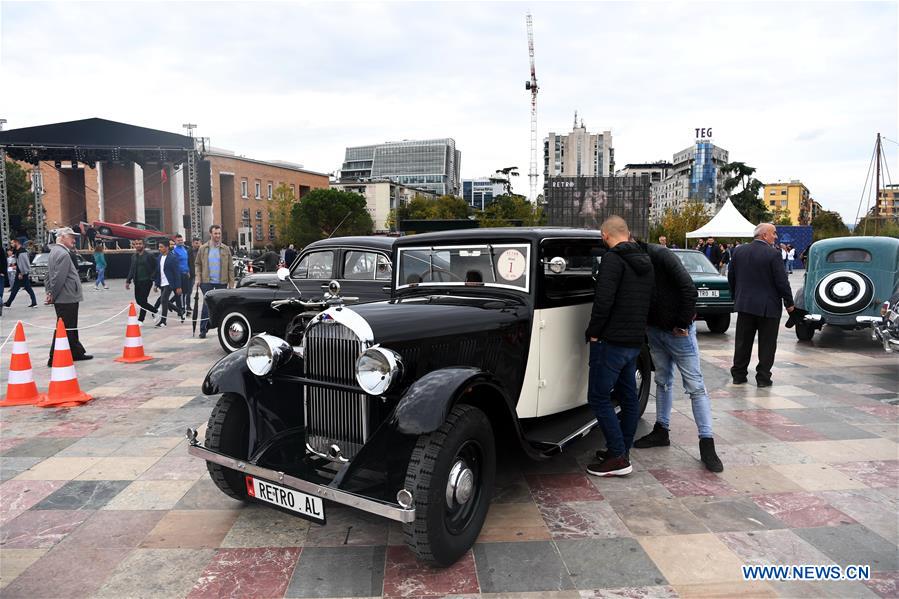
<point>103,501</point>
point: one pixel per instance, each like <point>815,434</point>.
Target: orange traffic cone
<point>64,391</point>
<point>134,344</point>
<point>20,389</point>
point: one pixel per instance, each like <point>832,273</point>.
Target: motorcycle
<point>887,330</point>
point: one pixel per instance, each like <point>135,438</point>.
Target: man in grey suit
<point>64,290</point>
<point>759,284</point>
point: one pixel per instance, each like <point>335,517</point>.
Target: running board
<point>551,434</point>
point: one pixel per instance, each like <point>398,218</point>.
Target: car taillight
<point>885,309</point>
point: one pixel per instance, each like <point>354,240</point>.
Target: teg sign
<point>703,134</point>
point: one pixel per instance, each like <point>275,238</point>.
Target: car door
<point>562,314</point>
<point>312,270</point>
<point>366,274</point>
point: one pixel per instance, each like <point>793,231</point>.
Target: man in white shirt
<point>167,278</point>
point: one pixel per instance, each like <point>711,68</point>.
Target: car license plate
<point>307,506</point>
<point>708,293</point>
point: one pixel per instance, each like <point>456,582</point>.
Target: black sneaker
<point>708,456</point>
<point>657,438</point>
<point>618,466</point>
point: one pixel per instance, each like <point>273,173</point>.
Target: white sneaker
<point>160,325</point>
<point>155,316</point>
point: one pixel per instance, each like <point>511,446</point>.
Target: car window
<point>576,281</point>
<point>359,266</point>
<point>497,265</point>
<point>849,256</point>
<point>384,269</point>
<point>315,265</point>
<point>696,263</point>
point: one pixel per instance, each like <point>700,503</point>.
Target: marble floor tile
<point>348,527</point>
<point>16,561</point>
<point>82,495</point>
<point>117,468</point>
<point>36,529</point>
<point>832,589</point>
<point>518,567</point>
<point>724,514</point>
<point>58,468</point>
<point>162,574</point>
<point>657,517</point>
<point>38,447</point>
<point>165,402</point>
<point>176,468</point>
<point>818,477</point>
<point>12,467</point>
<point>513,522</point>
<point>511,487</point>
<point>583,519</point>
<point>693,559</point>
<point>758,479</point>
<point>868,507</point>
<point>774,403</point>
<point>339,572</point>
<point>190,529</point>
<point>880,473</point>
<point>261,572</point>
<point>764,547</point>
<point>885,584</point>
<point>113,529</point>
<point>726,590</point>
<point>853,544</point>
<point>630,592</point>
<point>558,488</point>
<point>406,576</point>
<point>636,486</point>
<point>839,431</point>
<point>873,449</point>
<point>259,526</point>
<point>204,495</point>
<point>20,495</point>
<point>686,483</point>
<point>150,495</point>
<point>147,447</point>
<point>92,566</point>
<point>608,563</point>
<point>801,510</point>
<point>92,447</point>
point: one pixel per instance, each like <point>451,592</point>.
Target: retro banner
<point>584,202</point>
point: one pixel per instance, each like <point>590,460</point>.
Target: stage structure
<point>584,202</point>
<point>93,143</point>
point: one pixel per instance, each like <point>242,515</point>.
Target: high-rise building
<point>656,172</point>
<point>479,193</point>
<point>791,199</point>
<point>888,202</point>
<point>696,175</point>
<point>578,154</point>
<point>432,164</point>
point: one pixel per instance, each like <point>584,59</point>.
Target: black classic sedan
<point>360,264</point>
<point>399,407</point>
<point>86,269</point>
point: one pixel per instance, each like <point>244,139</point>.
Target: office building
<point>696,175</point>
<point>888,202</point>
<point>431,164</point>
<point>479,193</point>
<point>382,197</point>
<point>791,199</point>
<point>579,153</point>
<point>656,172</point>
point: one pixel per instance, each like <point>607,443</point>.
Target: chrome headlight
<point>376,369</point>
<point>266,352</point>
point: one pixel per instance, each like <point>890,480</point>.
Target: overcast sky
<point>798,90</point>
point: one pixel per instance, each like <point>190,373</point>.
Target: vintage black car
<point>86,269</point>
<point>399,407</point>
<point>714,303</point>
<point>361,265</point>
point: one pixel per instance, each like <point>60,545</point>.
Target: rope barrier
<point>2,345</point>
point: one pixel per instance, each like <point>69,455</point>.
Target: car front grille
<point>334,417</point>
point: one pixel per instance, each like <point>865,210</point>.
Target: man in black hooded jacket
<point>616,331</point>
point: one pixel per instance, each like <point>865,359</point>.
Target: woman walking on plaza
<point>100,262</point>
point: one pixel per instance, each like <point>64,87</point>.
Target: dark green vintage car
<point>847,281</point>
<point>714,304</point>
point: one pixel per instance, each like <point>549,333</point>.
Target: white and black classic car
<point>398,407</point>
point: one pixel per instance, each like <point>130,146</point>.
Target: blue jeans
<point>614,366</point>
<point>101,277</point>
<point>204,319</point>
<point>668,351</point>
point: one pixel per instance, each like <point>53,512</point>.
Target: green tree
<point>828,224</point>
<point>509,210</point>
<point>279,215</point>
<point>781,216</point>
<point>421,207</point>
<point>21,200</point>
<point>869,225</point>
<point>326,212</point>
<point>676,224</point>
<point>747,200</point>
<point>505,177</point>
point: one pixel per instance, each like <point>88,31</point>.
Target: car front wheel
<point>234,332</point>
<point>450,476</point>
<point>718,323</point>
<point>228,432</point>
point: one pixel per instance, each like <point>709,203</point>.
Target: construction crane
<point>532,86</point>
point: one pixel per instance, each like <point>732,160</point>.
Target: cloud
<point>797,89</point>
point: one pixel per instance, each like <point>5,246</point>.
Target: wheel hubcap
<point>460,485</point>
<point>236,331</point>
<point>842,289</point>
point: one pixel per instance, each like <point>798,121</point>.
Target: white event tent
<point>727,223</point>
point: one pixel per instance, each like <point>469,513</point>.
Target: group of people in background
<point>15,271</point>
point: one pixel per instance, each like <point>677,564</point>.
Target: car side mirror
<point>283,273</point>
<point>557,265</point>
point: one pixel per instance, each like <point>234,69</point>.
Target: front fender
<point>231,375</point>
<point>425,405</point>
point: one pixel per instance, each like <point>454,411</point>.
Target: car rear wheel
<point>718,323</point>
<point>450,475</point>
<point>234,332</point>
<point>804,332</point>
<point>228,432</point>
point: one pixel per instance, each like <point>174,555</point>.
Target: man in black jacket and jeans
<point>624,283</point>
<point>672,341</point>
<point>759,284</point>
<point>142,272</point>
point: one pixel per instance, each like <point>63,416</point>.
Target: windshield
<point>696,263</point>
<point>503,265</point>
<point>41,260</point>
